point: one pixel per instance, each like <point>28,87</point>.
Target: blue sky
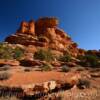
<point>80,18</point>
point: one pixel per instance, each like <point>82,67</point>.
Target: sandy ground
<point>20,78</point>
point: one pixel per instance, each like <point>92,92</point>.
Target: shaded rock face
<point>43,33</point>
<point>47,22</point>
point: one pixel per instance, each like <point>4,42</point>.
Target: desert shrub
<point>65,58</point>
<point>4,75</point>
<point>83,83</point>
<point>46,67</point>
<point>18,53</point>
<point>43,55</point>
<point>88,60</point>
<point>5,51</point>
<point>65,68</point>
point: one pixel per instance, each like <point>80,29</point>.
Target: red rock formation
<point>31,27</point>
<point>23,27</point>
<point>27,27</point>
<point>44,33</point>
<point>47,22</point>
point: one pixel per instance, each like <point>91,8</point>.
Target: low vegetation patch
<point>8,52</point>
<point>65,58</point>
<point>18,53</point>
<point>44,55</point>
<point>46,67</point>
<point>5,51</point>
<point>89,61</point>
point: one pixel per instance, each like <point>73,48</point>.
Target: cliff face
<point>44,33</point>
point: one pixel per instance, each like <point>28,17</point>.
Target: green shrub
<point>43,55</point>
<point>18,53</point>
<point>88,60</point>
<point>5,51</point>
<point>65,58</point>
<point>4,75</point>
<point>65,68</point>
<point>46,67</point>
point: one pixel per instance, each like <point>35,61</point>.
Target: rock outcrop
<point>44,33</point>
<point>27,27</point>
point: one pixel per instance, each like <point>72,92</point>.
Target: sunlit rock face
<point>27,27</point>
<point>44,33</point>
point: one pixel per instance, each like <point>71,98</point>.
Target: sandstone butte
<point>44,33</point>
<point>33,35</point>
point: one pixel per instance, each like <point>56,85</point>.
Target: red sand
<point>21,78</point>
